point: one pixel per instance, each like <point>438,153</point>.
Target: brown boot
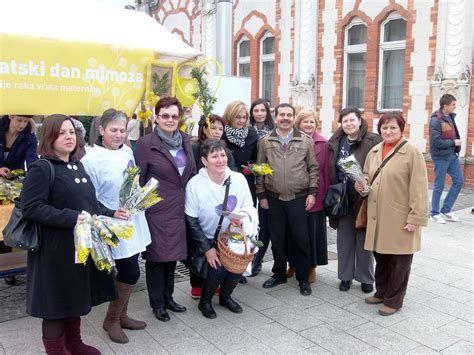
<point>112,320</point>
<point>290,272</point>
<point>312,275</point>
<point>125,321</point>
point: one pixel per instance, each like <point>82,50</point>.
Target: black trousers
<point>391,278</point>
<point>288,225</point>
<point>128,270</point>
<point>263,234</point>
<point>160,282</point>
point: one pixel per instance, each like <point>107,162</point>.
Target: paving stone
<point>255,298</point>
<point>2,350</point>
<point>382,338</point>
<point>194,347</point>
<point>281,339</point>
<point>333,295</point>
<point>174,331</point>
<point>372,351</point>
<point>287,295</point>
<point>312,350</point>
<point>103,344</point>
<point>424,315</point>
<point>335,316</point>
<point>422,350</point>
<point>259,348</point>
<point>248,319</point>
<point>452,308</point>
<point>465,284</point>
<point>418,295</point>
<point>334,340</point>
<point>424,334</point>
<point>140,343</point>
<point>370,312</point>
<point>447,291</point>
<point>462,347</point>
<point>460,329</point>
<point>291,318</point>
<point>224,335</point>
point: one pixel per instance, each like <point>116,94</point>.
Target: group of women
<point>198,181</point>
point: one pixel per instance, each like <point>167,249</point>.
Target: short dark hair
<point>202,124</point>
<point>50,132</point>
<point>284,105</point>
<point>168,101</point>
<point>350,109</point>
<point>446,99</point>
<point>210,146</point>
<point>388,116</point>
<point>268,119</point>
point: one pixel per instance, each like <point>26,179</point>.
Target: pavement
<point>437,316</point>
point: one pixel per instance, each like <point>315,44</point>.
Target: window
<point>243,55</point>
<point>392,63</point>
<point>355,49</point>
<point>267,68</point>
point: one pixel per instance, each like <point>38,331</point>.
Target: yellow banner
<point>43,76</point>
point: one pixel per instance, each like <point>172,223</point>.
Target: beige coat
<point>399,196</point>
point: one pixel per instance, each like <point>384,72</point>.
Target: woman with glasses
<point>165,155</point>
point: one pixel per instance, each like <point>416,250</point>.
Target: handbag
<point>21,232</point>
<point>197,264</point>
<point>361,219</point>
<point>336,202</point>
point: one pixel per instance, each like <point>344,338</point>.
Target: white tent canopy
<point>86,22</point>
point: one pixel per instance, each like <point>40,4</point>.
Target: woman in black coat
<point>241,139</point>
<point>58,290</point>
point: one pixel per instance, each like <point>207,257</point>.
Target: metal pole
<point>224,35</point>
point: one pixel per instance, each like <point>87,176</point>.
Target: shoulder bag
<point>361,219</point>
<point>21,232</point>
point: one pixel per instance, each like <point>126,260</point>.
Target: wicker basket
<point>5,213</point>
<point>233,262</point>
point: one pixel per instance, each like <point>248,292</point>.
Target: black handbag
<point>21,232</point>
<point>336,203</point>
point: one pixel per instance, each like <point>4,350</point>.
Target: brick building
<point>379,55</point>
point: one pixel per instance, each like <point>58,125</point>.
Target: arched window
<point>243,57</point>
<point>355,48</point>
<point>267,67</point>
<point>392,62</point>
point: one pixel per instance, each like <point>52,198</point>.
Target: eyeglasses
<point>166,117</point>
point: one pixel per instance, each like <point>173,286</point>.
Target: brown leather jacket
<point>295,172</point>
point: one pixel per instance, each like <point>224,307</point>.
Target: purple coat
<point>321,151</point>
<point>166,218</point>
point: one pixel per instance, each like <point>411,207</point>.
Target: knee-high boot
<point>205,303</point>
<point>73,340</point>
<point>55,346</point>
<point>225,299</point>
<point>112,320</point>
<point>125,321</point>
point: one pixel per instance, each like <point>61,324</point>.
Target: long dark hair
<point>50,132</point>
<point>268,120</point>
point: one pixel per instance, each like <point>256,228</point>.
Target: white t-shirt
<point>133,129</point>
<point>179,157</point>
<point>204,199</point>
<point>105,168</point>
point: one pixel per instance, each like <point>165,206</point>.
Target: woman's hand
<point>359,185</point>
<point>81,218</point>
<point>121,213</point>
<point>410,227</point>
<point>213,258</point>
<point>264,204</point>
<point>5,172</point>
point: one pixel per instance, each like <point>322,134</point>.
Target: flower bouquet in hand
<point>257,169</point>
<point>351,167</point>
<point>135,198</point>
<point>10,188</point>
<point>94,237</point>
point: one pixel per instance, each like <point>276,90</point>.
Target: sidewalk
<point>438,314</point>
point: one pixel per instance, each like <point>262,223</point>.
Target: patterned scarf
<point>171,143</point>
<point>236,136</point>
<point>262,132</point>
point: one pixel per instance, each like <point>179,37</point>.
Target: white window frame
<point>242,60</point>
<point>387,46</point>
<point>351,49</point>
<point>265,58</point>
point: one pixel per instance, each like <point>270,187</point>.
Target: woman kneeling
<point>205,194</point>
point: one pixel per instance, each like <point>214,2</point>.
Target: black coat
<point>244,155</point>
<point>197,158</point>
<point>22,150</point>
<point>57,287</point>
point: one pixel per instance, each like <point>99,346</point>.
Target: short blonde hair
<point>303,114</point>
<point>232,110</point>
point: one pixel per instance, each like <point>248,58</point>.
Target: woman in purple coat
<point>306,123</point>
<point>166,155</point>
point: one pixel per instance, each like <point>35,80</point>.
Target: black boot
<point>227,286</point>
<point>205,303</point>
<point>256,265</point>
